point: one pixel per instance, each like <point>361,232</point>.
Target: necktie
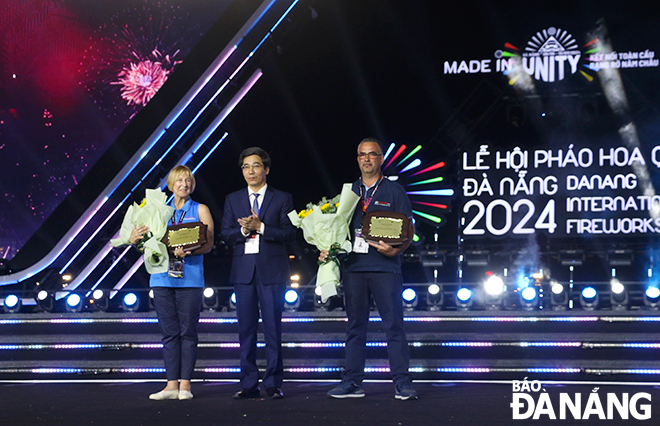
<point>255,203</point>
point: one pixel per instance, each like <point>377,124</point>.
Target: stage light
<point>232,302</point>
<point>295,281</point>
<point>589,298</point>
<point>434,297</point>
<point>100,300</point>
<point>477,258</point>
<point>559,297</point>
<point>45,301</point>
<point>494,288</point>
<point>73,303</point>
<point>464,299</point>
<point>618,295</point>
<point>211,300</point>
<point>571,257</point>
<point>409,297</point>
<point>291,300</point>
<point>12,303</point>
<point>494,285</point>
<point>319,304</point>
<point>652,297</point>
<point>130,302</point>
<point>529,299</point>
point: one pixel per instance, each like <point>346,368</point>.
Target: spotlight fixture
<point>130,302</point>
<point>529,298</point>
<point>652,297</point>
<point>319,304</point>
<point>589,298</point>
<point>477,258</point>
<point>232,302</point>
<point>409,297</point>
<point>464,299</point>
<point>12,304</point>
<point>45,301</point>
<point>618,295</point>
<point>295,281</point>
<point>559,296</point>
<point>211,300</point>
<point>494,288</point>
<point>291,300</point>
<point>100,300</point>
<point>73,303</point>
<point>434,297</point>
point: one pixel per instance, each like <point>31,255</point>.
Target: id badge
<point>176,268</point>
<point>252,244</point>
<point>360,245</point>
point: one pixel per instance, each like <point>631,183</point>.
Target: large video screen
<point>73,73</point>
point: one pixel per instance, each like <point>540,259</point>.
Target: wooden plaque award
<point>390,227</point>
<point>189,236</point>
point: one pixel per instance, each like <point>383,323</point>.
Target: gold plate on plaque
<point>189,236</point>
<point>385,227</point>
<point>390,227</point>
<point>184,236</point>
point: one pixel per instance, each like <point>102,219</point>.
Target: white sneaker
<point>164,394</point>
<point>185,394</point>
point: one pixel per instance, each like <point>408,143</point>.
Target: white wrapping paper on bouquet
<point>155,214</point>
<point>325,229</point>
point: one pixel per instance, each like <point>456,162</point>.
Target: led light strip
<point>327,319</point>
<point>325,345</point>
<point>322,370</point>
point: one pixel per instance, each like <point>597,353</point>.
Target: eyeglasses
<point>372,154</point>
<point>255,166</point>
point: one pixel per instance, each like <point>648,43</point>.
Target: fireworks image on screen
<point>131,56</point>
<point>140,81</point>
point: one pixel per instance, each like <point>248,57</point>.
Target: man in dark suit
<point>255,222</point>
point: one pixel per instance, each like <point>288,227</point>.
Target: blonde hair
<point>176,173</point>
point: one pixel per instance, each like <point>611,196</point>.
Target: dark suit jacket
<point>271,264</point>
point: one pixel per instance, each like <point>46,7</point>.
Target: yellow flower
<point>325,206</point>
<point>144,201</point>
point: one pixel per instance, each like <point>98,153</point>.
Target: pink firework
<point>141,81</point>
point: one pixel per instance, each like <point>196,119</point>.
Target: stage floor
<point>306,403</point>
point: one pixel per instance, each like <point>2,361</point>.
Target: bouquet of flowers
<point>326,226</point>
<point>154,213</point>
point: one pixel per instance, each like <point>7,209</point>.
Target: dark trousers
<point>386,289</point>
<point>178,315</point>
<point>250,300</point>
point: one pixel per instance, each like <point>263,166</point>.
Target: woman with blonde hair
<point>178,293</point>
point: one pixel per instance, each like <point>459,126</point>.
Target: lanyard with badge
<point>361,245</point>
<point>176,264</point>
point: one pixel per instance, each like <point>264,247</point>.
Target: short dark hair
<point>255,150</point>
<point>372,140</point>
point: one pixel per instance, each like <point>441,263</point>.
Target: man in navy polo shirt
<point>374,268</point>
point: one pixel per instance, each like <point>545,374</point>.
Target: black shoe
<point>247,393</point>
<point>274,393</point>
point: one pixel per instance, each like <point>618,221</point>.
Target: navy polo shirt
<point>390,196</point>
